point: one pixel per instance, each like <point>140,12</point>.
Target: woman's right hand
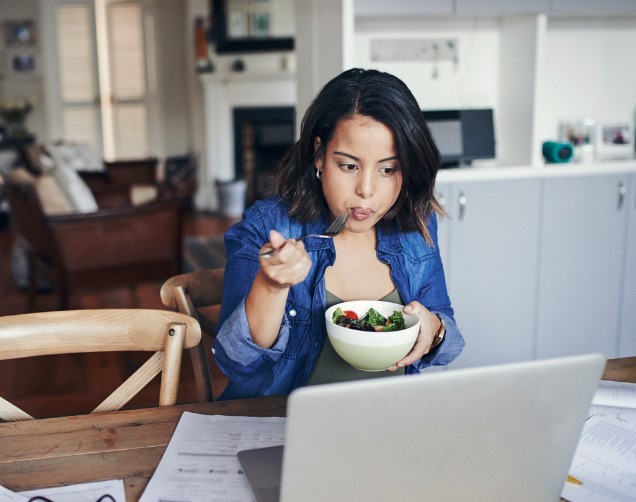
<point>288,265</point>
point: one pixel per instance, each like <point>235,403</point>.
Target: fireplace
<point>261,137</point>
<point>226,93</point>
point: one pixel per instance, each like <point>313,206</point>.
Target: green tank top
<point>331,368</point>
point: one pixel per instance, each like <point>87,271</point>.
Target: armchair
<point>115,186</point>
<point>104,248</point>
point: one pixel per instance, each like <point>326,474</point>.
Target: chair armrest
<point>119,236</point>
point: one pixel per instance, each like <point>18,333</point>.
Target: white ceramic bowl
<point>367,350</point>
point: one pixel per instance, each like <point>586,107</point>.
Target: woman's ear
<point>319,154</point>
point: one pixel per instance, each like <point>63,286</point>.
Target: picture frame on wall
<point>615,140</point>
<point>20,33</point>
<point>22,64</point>
<point>581,134</point>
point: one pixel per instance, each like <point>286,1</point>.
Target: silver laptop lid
<point>505,432</point>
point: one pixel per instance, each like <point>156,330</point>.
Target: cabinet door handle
<point>442,200</point>
<point>462,205</point>
<point>621,195</point>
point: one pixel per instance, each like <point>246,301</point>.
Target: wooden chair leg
<point>202,376</point>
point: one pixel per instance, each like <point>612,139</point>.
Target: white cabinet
<point>627,339</point>
<point>443,191</point>
<point>593,7</point>
<point>581,265</point>
<point>492,255</point>
<point>501,7</point>
<point>403,8</point>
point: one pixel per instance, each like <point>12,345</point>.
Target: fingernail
<point>401,365</point>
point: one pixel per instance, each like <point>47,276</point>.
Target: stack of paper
<point>200,462</point>
<point>605,458</point>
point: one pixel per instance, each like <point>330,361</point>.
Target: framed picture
<point>22,64</point>
<point>581,135</point>
<point>19,33</point>
<point>615,140</point>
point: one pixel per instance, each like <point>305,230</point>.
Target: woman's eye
<point>348,167</point>
<point>388,170</point>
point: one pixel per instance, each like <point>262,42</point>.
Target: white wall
<point>471,83</point>
<point>20,88</point>
<point>172,68</point>
<point>590,72</point>
<point>174,50</point>
<point>587,67</point>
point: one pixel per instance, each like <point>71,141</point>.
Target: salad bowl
<point>371,350</point>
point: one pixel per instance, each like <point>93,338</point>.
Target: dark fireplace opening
<point>261,138</point>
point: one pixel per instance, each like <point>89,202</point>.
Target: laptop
<point>503,432</point>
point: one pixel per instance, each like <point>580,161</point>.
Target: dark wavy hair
<point>386,99</point>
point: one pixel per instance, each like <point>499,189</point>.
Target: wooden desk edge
<point>616,370</point>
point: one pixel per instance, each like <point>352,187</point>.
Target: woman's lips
<point>361,213</point>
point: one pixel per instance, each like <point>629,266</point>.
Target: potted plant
<point>14,114</point>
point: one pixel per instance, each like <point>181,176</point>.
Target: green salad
<point>371,321</point>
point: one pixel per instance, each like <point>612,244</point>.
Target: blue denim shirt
<point>416,270</point>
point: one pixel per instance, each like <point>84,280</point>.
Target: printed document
<point>605,458</point>
<point>200,462</point>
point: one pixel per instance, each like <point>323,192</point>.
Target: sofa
<point>70,237</point>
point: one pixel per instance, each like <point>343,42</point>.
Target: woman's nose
<point>365,187</point>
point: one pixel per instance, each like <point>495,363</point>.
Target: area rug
<point>203,252</point>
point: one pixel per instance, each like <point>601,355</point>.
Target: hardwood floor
<point>74,384</point>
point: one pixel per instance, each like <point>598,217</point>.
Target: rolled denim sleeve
<point>237,355</point>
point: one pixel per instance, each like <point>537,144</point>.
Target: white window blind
<point>77,79</point>
<point>127,51</point>
<point>75,53</point>
<point>80,126</point>
<point>130,124</point>
<point>128,79</point>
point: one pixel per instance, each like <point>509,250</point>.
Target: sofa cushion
<point>143,194</point>
<point>54,199</point>
<point>77,192</point>
<point>76,156</point>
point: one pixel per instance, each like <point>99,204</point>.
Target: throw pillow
<point>78,193</point>
<point>52,197</point>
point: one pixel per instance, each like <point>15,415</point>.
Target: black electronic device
<point>462,135</point>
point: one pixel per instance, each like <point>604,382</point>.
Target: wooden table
<point>129,444</point>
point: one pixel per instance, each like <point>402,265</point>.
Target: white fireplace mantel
<point>221,93</point>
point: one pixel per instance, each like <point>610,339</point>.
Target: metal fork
<point>334,229</point>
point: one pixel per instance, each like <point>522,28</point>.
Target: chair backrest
<point>104,330</point>
<point>189,294</point>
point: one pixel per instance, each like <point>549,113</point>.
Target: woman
<point>364,150</point>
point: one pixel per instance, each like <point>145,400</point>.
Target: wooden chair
<point>199,295</point>
<point>81,331</point>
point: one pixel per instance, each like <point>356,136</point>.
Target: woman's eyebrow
<point>348,155</point>
<point>353,157</point>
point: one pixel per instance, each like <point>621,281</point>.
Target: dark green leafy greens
<point>371,321</point>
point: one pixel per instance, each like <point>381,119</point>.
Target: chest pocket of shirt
<point>298,317</point>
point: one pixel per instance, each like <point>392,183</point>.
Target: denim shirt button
<point>292,313</point>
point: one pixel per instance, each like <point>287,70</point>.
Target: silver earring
<point>319,174</point>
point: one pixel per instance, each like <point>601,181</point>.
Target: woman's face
<point>361,174</point>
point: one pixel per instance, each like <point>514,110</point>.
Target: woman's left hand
<point>429,325</point>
